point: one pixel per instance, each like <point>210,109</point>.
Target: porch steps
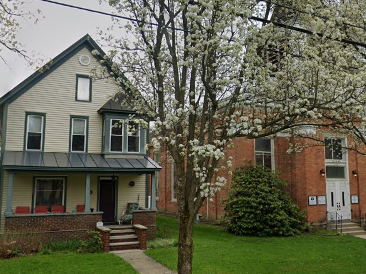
<point>122,237</point>
<point>351,228</point>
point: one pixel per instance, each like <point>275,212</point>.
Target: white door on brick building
<point>338,200</point>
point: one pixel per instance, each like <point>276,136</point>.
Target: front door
<point>107,200</point>
<point>338,200</point>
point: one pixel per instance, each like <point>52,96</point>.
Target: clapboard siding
<point>55,96</point>
<point>128,194</point>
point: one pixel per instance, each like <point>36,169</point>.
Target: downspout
<point>147,185</point>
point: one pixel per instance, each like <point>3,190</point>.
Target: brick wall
<point>301,170</point>
<point>146,218</point>
<point>55,227</point>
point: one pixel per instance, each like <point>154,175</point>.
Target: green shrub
<point>93,243</point>
<point>160,243</point>
<point>258,205</point>
<point>63,246</point>
<point>163,231</point>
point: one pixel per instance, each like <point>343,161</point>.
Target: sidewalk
<point>142,263</point>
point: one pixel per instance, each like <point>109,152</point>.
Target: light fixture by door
<point>322,172</point>
<point>354,172</point>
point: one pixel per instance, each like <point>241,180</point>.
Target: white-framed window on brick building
<point>335,158</point>
<point>157,159</point>
<point>173,182</point>
<point>264,152</point>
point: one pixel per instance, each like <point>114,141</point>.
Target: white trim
<point>81,60</point>
<point>172,173</point>
<point>263,152</point>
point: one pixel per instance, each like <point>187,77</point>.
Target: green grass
<point>70,263</point>
<point>216,251</point>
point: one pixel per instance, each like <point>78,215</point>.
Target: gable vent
<point>84,60</point>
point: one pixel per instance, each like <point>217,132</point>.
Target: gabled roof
<point>85,41</point>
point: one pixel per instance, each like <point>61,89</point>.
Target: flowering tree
<point>207,71</point>
<point>10,12</point>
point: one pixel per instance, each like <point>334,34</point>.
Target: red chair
<point>22,210</point>
<point>40,209</point>
<point>80,208</point>
<point>57,209</point>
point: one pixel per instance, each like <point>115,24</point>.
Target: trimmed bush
<point>93,243</point>
<point>258,205</point>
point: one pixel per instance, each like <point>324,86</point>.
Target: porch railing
<point>337,219</point>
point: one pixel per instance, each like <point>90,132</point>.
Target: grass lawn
<point>69,263</point>
<point>216,251</point>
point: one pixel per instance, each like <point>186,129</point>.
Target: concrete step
<point>123,237</point>
<point>124,243</point>
<point>118,227</point>
<point>122,231</point>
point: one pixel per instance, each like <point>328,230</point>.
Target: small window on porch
<point>49,192</point>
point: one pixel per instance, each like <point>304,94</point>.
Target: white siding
<point>55,96</point>
<point>128,194</point>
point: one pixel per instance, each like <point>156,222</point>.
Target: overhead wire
<point>258,19</point>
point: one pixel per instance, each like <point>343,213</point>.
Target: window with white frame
<point>133,139</point>
<point>264,152</point>
<point>174,183</point>
<point>34,132</point>
<point>116,136</point>
<point>78,134</point>
<point>335,158</point>
<point>49,191</point>
<point>83,88</point>
<point>157,159</point>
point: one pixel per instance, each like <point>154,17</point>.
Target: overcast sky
<point>59,29</point>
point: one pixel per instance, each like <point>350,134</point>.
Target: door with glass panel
<point>338,200</point>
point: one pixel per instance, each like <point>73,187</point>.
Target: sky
<point>58,28</point>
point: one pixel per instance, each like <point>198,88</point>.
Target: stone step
<point>124,243</point>
<point>118,227</point>
<point>354,233</point>
<point>124,231</point>
<point>123,237</point>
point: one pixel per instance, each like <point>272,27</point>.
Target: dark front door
<point>107,200</point>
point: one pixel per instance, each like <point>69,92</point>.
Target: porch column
<point>153,191</point>
<point>87,194</point>
<point>9,200</point>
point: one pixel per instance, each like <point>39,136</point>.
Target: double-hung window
<point>83,88</point>
<point>133,140</point>
<point>49,191</point>
<point>264,152</point>
<point>335,158</point>
<point>116,141</point>
<point>78,134</point>
<point>34,132</point>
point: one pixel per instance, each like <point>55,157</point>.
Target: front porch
<point>82,196</point>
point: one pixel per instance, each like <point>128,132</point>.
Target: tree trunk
<point>185,242</point>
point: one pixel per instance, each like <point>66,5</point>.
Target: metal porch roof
<point>77,162</point>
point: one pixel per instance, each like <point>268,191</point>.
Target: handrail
<point>339,217</point>
<point>338,220</point>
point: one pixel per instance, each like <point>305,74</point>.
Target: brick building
<point>325,181</point>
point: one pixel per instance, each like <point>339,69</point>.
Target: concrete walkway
<point>142,263</point>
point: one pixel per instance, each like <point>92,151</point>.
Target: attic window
<point>84,60</point>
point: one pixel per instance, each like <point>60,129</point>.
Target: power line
<point>347,41</point>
